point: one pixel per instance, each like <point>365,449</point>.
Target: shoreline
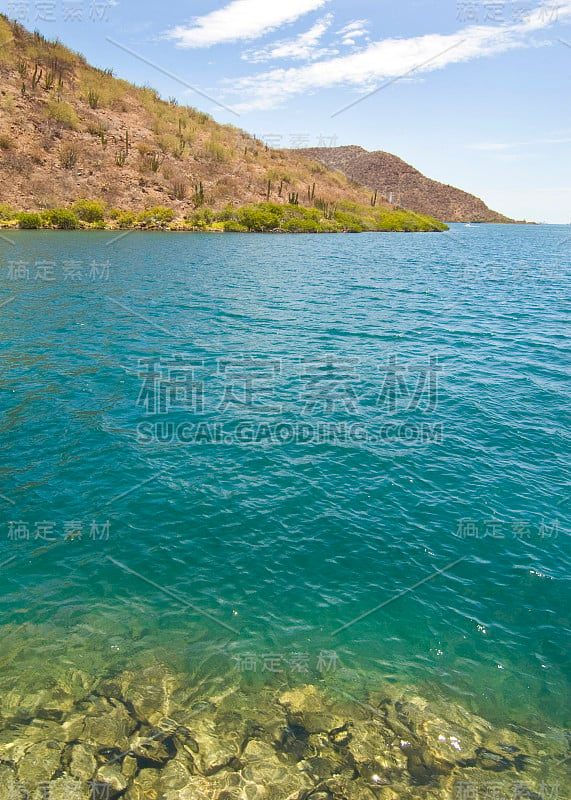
<point>262,217</point>
<point>200,231</point>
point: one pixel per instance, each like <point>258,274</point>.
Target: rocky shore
<point>150,735</point>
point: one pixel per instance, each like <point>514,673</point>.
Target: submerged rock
<point>7,783</point>
<point>379,757</point>
<point>151,751</point>
<point>307,708</point>
<point>276,778</point>
<point>344,788</point>
<point>150,693</point>
<point>487,759</point>
<point>504,785</point>
<point>147,785</point>
<point>152,736</point>
<point>175,775</point>
<point>64,788</point>
<point>112,777</point>
<point>40,763</point>
<point>82,762</point>
<point>214,752</point>
<point>197,788</point>
<point>111,728</point>
<point>129,766</point>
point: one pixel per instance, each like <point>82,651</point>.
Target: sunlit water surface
<point>434,555</point>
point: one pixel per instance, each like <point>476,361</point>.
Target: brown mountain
<point>394,178</point>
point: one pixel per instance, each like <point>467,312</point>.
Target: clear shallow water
<point>283,549</point>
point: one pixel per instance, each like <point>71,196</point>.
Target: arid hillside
<point>70,131</point>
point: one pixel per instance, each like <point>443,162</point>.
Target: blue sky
<point>475,94</point>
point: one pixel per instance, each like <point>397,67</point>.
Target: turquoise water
<point>420,536</point>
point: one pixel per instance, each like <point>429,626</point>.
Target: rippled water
<point>423,540</point>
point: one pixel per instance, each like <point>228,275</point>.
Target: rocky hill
<point>392,177</point>
<point>70,131</point>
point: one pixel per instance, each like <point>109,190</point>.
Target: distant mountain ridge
<point>393,178</point>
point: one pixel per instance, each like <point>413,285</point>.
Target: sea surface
<point>297,456</point>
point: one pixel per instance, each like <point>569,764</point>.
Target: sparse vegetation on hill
<point>263,217</point>
<point>69,131</point>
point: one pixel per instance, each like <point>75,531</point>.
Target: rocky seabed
<point>148,735</point>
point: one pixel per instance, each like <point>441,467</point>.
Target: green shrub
<point>202,218</point>
<point>231,226</point>
<point>101,89</point>
<point>216,151</point>
<point>29,221</point>
<point>6,212</point>
<point>89,210</point>
<point>62,218</point>
<point>126,219</point>
<point>62,113</point>
<point>330,226</point>
<point>351,223</point>
<point>302,226</point>
<point>228,213</point>
<point>401,220</point>
<point>156,215</point>
<point>261,217</point>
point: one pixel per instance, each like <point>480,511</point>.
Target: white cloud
<point>353,31</point>
<point>302,47</point>
<point>241,19</point>
<point>394,58</point>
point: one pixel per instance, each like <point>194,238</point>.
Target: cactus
<point>328,209</point>
<point>125,146</point>
<point>179,190</point>
<point>154,160</point>
<point>103,138</point>
<point>120,158</point>
<point>37,76</point>
<point>374,199</point>
<point>313,192</point>
<point>281,188</point>
<point>293,198</point>
<point>22,68</point>
<point>269,190</point>
<point>68,157</point>
<point>92,98</point>
<point>198,198</point>
<point>49,80</point>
